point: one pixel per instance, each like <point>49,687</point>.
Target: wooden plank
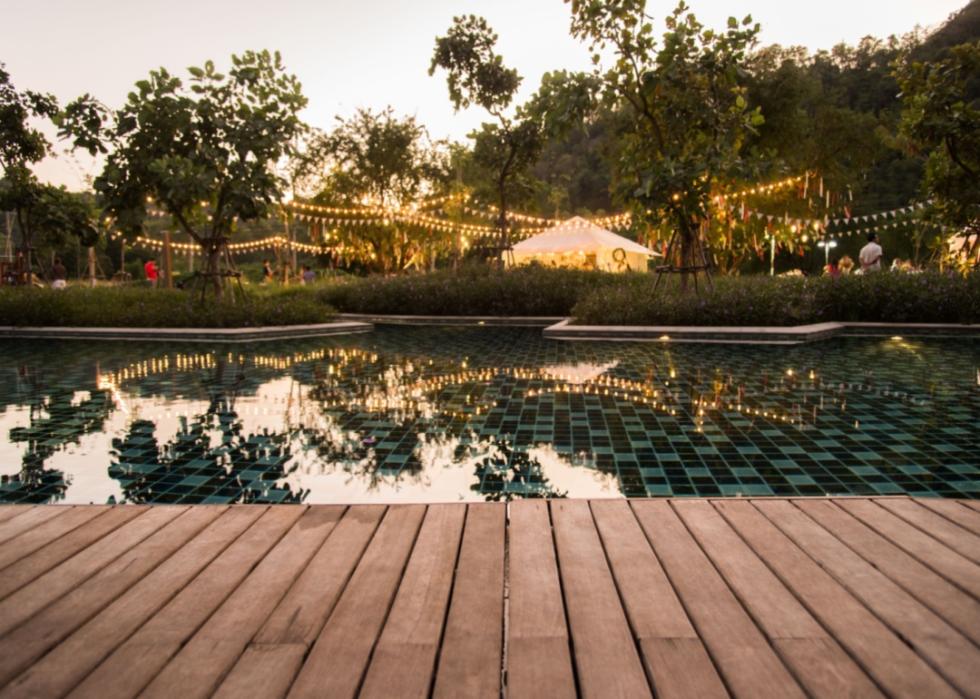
<point>34,565</point>
<point>278,650</point>
<point>11,511</point>
<point>955,537</point>
<point>539,661</point>
<point>264,670</point>
<point>930,588</point>
<point>742,654</point>
<point>817,661</point>
<point>29,600</point>
<point>605,652</point>
<point>469,662</point>
<point>300,615</point>
<point>404,659</point>
<point>340,655</point>
<point>133,664</point>
<point>949,652</point>
<point>25,521</point>
<point>68,663</point>
<point>31,540</point>
<point>953,511</point>
<point>896,668</point>
<point>676,660</point>
<point>203,661</point>
<point>972,504</point>
<point>957,569</point>
<point>28,642</point>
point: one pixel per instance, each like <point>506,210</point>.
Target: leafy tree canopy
<point>381,160</point>
<point>475,74</point>
<point>688,98</point>
<point>942,118</point>
<point>206,152</point>
<point>41,210</point>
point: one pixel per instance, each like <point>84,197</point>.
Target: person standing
<point>59,275</point>
<point>309,276</point>
<point>870,255</point>
<point>152,274</point>
<point>266,272</point>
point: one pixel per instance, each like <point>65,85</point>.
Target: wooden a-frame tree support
<point>700,260</point>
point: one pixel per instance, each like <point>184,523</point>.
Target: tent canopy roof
<point>578,234</point>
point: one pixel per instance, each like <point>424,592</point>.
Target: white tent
<point>583,245</point>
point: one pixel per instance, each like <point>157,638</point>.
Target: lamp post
<point>772,254</point>
<point>827,245</point>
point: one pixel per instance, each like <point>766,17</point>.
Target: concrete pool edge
<point>256,334</point>
<point>561,328</point>
<point>553,327</point>
<point>781,335</point>
<point>498,321</point>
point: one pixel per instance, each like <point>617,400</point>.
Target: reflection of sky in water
<point>442,414</point>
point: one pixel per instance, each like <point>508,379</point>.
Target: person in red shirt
<point>152,274</point>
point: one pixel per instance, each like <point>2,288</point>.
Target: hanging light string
<point>358,216</point>
<point>889,220</point>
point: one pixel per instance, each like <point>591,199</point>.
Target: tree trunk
<point>213,271</point>
<point>687,251</point>
<point>91,266</point>
<point>502,219</point>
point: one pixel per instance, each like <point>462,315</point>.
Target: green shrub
<point>157,308</point>
<point>781,301</point>
<point>473,290</point>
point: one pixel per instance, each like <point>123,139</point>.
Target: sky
<point>361,53</point>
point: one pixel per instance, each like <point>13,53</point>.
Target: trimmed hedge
<point>141,307</point>
<point>884,297</point>
<point>473,291</point>
<point>593,298</point>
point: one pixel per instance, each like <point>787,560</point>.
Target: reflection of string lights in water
<point>406,390</point>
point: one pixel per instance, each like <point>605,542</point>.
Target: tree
<point>206,152</point>
<point>476,75</point>
<point>384,162</point>
<point>691,117</point>
<point>942,118</point>
<point>40,209</point>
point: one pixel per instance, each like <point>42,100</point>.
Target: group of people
<point>306,276</point>
<point>869,259</point>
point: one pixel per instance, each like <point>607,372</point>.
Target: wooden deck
<point>673,598</point>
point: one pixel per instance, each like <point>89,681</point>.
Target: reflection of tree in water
<point>193,468</point>
<point>509,474</point>
<point>55,421</point>
<point>378,407</point>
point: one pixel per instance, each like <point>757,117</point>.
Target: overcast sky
<point>354,53</point>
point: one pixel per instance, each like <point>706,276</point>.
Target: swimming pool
<point>466,414</point>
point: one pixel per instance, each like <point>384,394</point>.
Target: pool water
<point>450,414</point>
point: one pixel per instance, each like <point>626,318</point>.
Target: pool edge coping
<point>554,328</point>
<point>253,334</point>
<point>769,335</point>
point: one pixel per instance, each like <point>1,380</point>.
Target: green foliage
<point>942,117</point>
<point>691,116</point>
<point>786,301</point>
<point>477,75</point>
<point>46,215</point>
<point>205,152</point>
<point>385,162</point>
<point>140,307</point>
<point>41,210</point>
<point>476,290</point>
<point>379,158</point>
<point>21,143</point>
